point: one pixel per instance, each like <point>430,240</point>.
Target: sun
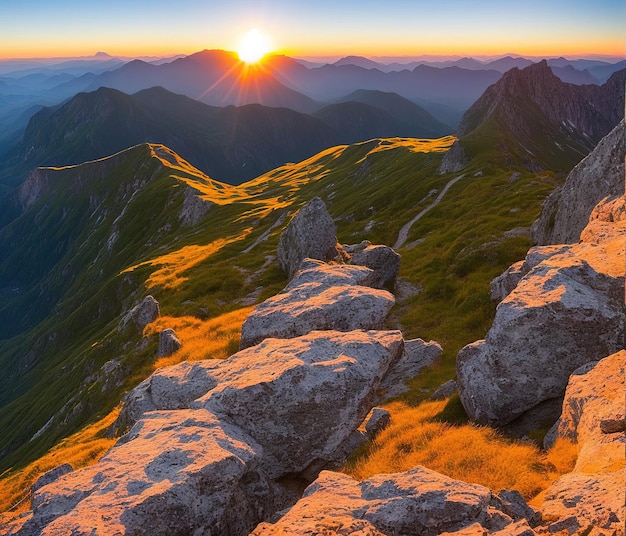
<point>253,46</point>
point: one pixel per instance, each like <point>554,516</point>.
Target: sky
<point>308,28</point>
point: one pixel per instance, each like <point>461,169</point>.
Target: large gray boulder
<point>303,398</point>
<point>269,415</point>
<point>320,297</point>
<point>168,343</point>
<point>175,473</point>
<point>566,311</point>
<point>311,233</point>
<point>592,495</point>
<point>419,501</point>
<point>146,311</point>
<point>600,175</point>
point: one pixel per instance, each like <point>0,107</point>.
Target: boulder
<point>301,398</point>
<point>323,297</point>
<point>168,343</point>
<point>417,355</point>
<point>600,175</point>
<point>199,475</point>
<point>566,311</point>
<point>146,311</point>
<point>311,233</point>
<point>594,394</point>
<point>270,415</point>
<point>383,260</point>
<point>419,501</point>
<point>446,390</point>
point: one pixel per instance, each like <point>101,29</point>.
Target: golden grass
<point>467,452</point>
<point>216,338</point>
<point>173,264</point>
<point>81,449</point>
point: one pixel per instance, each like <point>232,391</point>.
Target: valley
<point>131,191</point>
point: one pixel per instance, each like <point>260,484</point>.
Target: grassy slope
<point>377,185</point>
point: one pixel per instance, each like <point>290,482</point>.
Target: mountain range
<point>231,144</point>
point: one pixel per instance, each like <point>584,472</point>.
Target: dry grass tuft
<point>216,338</point>
<point>467,452</point>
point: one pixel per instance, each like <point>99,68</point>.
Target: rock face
<point>146,311</point>
<point>281,409</point>
<point>311,233</point>
<point>593,494</point>
<point>566,310</point>
<point>320,297</point>
<point>601,174</point>
<point>419,501</point>
<point>454,160</point>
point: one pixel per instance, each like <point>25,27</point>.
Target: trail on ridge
<point>404,231</point>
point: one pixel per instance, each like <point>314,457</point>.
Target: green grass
<point>377,184</point>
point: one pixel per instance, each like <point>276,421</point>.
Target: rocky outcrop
<point>419,501</point>
<point>382,260</point>
<point>270,416</point>
<point>320,297</point>
<point>146,311</point>
<point>51,476</point>
<point>310,234</point>
<point>168,343</point>
<point>566,310</point>
<point>566,211</point>
<point>593,494</point>
<point>454,160</point>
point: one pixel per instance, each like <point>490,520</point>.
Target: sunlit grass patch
<point>169,276</point>
<point>216,338</point>
<point>81,449</point>
<point>465,452</point>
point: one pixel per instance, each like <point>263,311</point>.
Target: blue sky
<point>309,28</point>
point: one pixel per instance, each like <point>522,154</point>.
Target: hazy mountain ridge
<point>232,144</point>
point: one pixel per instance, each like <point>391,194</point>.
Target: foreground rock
<point>566,310</point>
<point>593,494</point>
<point>310,234</point>
<point>270,417</point>
<point>419,501</point>
<point>320,297</point>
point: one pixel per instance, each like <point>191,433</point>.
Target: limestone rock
<point>172,387</point>
<point>194,207</point>
<point>51,476</point>
<point>311,233</point>
<point>419,501</point>
<point>502,285</point>
<point>444,391</point>
<point>601,174</point>
<point>383,260</point>
<point>199,475</point>
<point>579,501</point>
<point>146,311</point>
<point>595,392</point>
<point>168,343</point>
<point>417,355</point>
<point>322,297</point>
<point>566,311</point>
<point>301,398</point>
